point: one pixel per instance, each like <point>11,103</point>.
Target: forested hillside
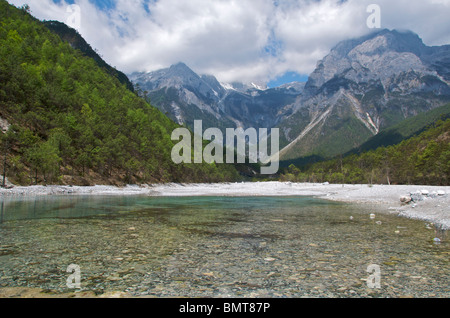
<point>76,41</point>
<point>72,122</point>
<point>422,159</point>
<point>405,129</point>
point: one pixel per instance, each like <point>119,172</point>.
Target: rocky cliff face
<point>182,94</point>
<point>363,86</point>
<point>186,96</point>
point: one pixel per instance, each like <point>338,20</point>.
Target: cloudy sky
<point>261,41</point>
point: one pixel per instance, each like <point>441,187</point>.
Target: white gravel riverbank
<point>432,207</point>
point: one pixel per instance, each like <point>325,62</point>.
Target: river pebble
<point>316,251</point>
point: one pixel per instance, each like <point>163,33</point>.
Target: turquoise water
<point>218,247</point>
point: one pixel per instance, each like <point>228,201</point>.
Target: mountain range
<point>186,96</point>
<point>360,88</point>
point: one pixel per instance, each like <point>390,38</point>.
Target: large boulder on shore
<point>405,199</point>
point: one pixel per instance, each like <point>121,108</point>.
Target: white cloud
<point>238,40</point>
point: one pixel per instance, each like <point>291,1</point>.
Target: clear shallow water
<point>218,247</point>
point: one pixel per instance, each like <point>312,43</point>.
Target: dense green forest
<point>73,122</point>
<point>421,159</point>
<point>76,41</point>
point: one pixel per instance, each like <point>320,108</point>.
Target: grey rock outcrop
<point>186,96</point>
<point>376,81</point>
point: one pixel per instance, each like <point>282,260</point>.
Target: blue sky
<point>288,77</point>
<point>101,4</point>
<point>261,41</point>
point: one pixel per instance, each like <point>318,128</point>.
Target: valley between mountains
<point>67,117</point>
<point>360,88</point>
